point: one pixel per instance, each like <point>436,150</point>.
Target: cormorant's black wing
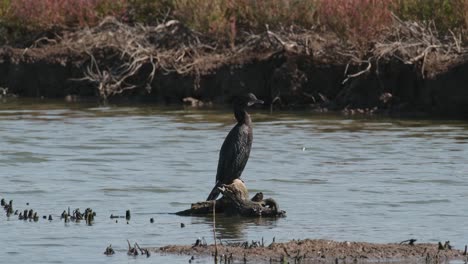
<point>233,157</point>
<point>234,154</point>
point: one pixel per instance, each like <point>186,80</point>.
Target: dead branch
<point>117,52</point>
<point>235,201</point>
<point>411,42</point>
<point>367,69</point>
<point>422,55</point>
<point>168,47</point>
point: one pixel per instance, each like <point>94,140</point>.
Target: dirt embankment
<point>411,71</point>
<point>320,251</point>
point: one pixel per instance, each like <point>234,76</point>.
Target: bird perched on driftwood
<point>235,150</point>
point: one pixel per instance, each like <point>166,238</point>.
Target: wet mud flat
<point>294,251</point>
<point>319,251</point>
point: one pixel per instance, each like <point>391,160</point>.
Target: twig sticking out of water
<point>35,217</point>
<point>89,216</point>
<point>200,242</point>
<point>65,216</point>
<point>127,215</point>
<point>214,231</point>
<point>143,251</point>
<point>441,247</point>
<point>109,250</point>
<point>445,246</point>
<point>409,241</point>
<point>8,207</point>
<point>132,251</point>
<point>272,242</point>
<point>76,216</point>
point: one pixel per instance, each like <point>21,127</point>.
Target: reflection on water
<point>234,228</point>
<point>363,179</point>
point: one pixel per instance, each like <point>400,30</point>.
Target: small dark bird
<point>235,150</point>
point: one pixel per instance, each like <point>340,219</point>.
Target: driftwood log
<point>235,201</point>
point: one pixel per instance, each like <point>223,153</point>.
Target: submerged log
<point>235,201</point>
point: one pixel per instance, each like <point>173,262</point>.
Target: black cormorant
<point>235,150</point>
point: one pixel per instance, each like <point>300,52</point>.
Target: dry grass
<point>44,14</point>
<point>189,36</point>
<point>358,21</point>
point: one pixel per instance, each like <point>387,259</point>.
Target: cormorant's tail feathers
<point>214,193</point>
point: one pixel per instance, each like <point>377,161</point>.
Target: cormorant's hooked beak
<point>255,102</point>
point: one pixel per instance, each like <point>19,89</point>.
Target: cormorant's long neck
<point>241,115</point>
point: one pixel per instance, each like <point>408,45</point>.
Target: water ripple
<point>337,178</point>
<point>140,189</point>
<point>306,181</point>
<point>432,201</point>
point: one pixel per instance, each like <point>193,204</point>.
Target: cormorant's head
<point>246,100</point>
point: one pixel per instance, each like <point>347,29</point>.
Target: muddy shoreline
<point>288,70</point>
<point>260,251</point>
<point>298,81</point>
<point>319,251</point>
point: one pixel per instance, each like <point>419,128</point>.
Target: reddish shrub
<point>48,13</point>
<point>357,20</point>
<point>257,13</point>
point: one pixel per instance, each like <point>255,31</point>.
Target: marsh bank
<point>288,69</point>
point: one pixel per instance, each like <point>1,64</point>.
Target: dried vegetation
<point>186,41</point>
<point>117,52</point>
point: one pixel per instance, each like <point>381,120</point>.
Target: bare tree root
<point>168,47</point>
<point>235,201</point>
<point>118,52</point>
<point>420,45</point>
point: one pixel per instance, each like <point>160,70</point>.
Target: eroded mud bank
<point>283,79</point>
<point>402,74</point>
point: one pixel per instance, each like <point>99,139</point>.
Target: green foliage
<point>149,12</point>
<point>4,8</point>
<point>446,14</point>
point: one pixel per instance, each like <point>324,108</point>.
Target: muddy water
<point>362,179</point>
